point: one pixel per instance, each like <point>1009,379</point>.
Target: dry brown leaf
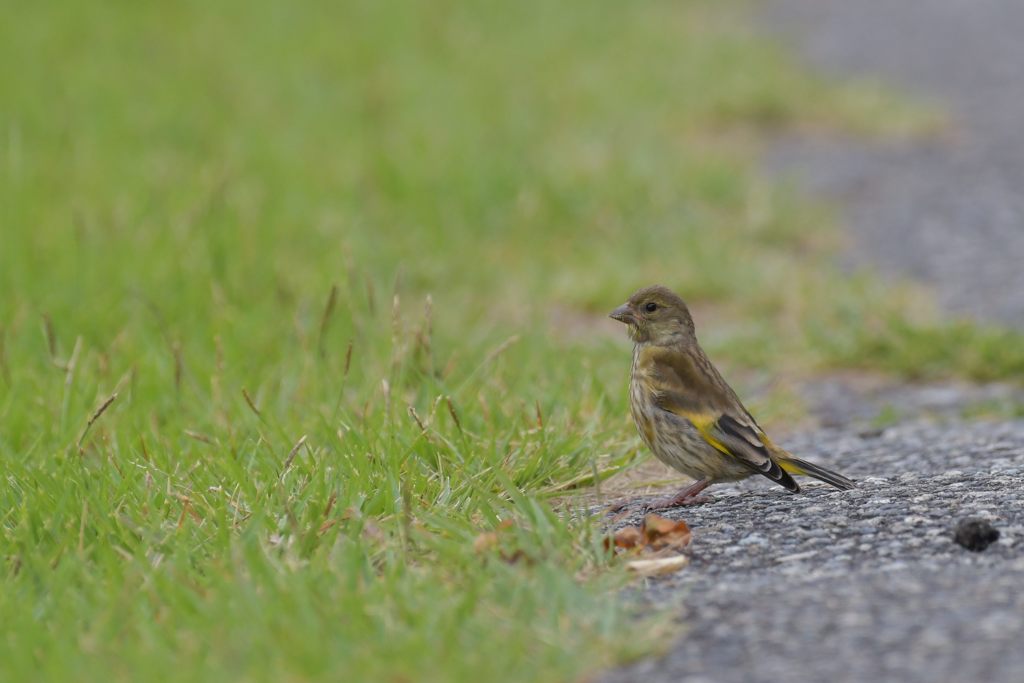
<point>625,538</point>
<point>660,533</point>
<point>657,541</point>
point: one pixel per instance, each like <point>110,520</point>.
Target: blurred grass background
<point>397,226</point>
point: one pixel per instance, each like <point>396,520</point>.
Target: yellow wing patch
<point>790,466</point>
<point>704,424</point>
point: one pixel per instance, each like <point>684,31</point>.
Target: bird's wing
<point>717,415</point>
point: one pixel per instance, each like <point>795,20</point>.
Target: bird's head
<point>656,315</point>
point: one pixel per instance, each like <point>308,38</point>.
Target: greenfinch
<point>686,413</point>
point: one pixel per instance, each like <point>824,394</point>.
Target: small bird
<point>686,413</point>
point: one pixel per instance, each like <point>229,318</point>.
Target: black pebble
<point>975,534</point>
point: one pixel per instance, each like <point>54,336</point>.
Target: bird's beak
<point>624,314</point>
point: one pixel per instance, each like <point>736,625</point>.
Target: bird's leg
<point>687,496</point>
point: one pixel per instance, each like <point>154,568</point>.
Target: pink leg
<point>687,496</point>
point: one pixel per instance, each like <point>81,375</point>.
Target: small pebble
<point>975,534</point>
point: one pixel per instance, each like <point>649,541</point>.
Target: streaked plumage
<point>688,416</point>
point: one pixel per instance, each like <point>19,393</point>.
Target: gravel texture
<point>948,211</point>
<point>857,585</point>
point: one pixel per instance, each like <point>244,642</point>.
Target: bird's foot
<point>688,496</point>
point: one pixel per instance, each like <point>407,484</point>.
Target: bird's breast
<point>641,402</point>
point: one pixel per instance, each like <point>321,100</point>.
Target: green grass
<point>182,187</point>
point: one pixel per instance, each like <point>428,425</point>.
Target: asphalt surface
<point>860,404</point>
<point>950,210</point>
<point>869,585</point>
<point>855,585</point>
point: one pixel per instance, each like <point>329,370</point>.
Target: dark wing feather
<point>744,442</point>
<point>689,386</point>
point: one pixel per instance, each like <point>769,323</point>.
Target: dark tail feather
<point>779,475</point>
<point>798,466</point>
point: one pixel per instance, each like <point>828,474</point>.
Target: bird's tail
<point>798,466</point>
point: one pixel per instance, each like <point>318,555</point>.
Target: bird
<point>687,414</point>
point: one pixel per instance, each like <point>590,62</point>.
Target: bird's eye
<point>651,307</point>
